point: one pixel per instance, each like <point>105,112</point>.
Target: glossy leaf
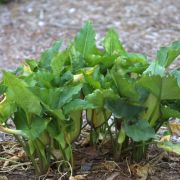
<point>161,87</point>
<point>77,61</point>
<point>21,94</point>
<point>125,87</point>
<point>121,136</point>
<point>122,108</point>
<point>77,105</point>
<point>155,69</point>
<point>168,112</point>
<point>67,94</point>
<point>176,73</point>
<point>139,131</point>
<point>166,55</point>
<point>85,40</point>
<point>97,117</point>
<point>112,43</point>
<point>49,54</point>
<point>7,108</point>
<point>75,127</point>
<point>33,64</point>
<point>57,63</point>
<point>98,97</point>
<point>32,129</point>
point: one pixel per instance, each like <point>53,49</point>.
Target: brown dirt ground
<point>29,26</point>
<point>90,162</point>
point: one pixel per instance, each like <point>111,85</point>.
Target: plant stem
<point>139,151</point>
<point>12,131</point>
<point>26,149</point>
<point>109,129</point>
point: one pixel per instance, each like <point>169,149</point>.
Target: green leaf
<point>122,108</point>
<point>3,89</point>
<point>126,87</point>
<point>85,40</point>
<point>92,82</point>
<point>33,64</point>
<point>61,140</point>
<point>55,98</point>
<point>66,78</point>
<point>42,149</point>
<point>19,92</point>
<point>68,152</point>
<point>77,61</point>
<point>38,125</point>
<point>68,93</point>
<point>75,126</point>
<point>31,147</point>
<point>121,136</point>
<point>129,59</point>
<point>130,63</point>
<point>43,78</point>
<point>94,59</point>
<point>139,131</point>
<point>57,63</point>
<point>162,87</point>
<point>152,112</point>
<point>49,96</point>
<point>112,44</point>
<point>168,112</point>
<point>166,55</point>
<point>97,116</point>
<point>32,129</point>
<point>98,96</point>
<point>176,73</point>
<point>76,105</point>
<point>49,54</point>
<point>7,108</point>
<point>155,69</point>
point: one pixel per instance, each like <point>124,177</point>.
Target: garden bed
<point>94,163</point>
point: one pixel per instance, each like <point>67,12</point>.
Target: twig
<point>128,167</point>
<point>15,166</point>
<point>60,163</point>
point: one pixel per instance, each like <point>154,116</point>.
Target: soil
<point>29,27</point>
<point>92,165</point>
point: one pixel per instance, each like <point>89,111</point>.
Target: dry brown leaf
<point>141,172</point>
<point>110,165</point>
<point>3,178</point>
<point>175,128</point>
<point>165,138</point>
<point>85,141</point>
<point>56,154</point>
<point>10,161</point>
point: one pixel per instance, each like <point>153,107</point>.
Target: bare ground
<point>28,26</point>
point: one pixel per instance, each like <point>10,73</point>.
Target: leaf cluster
<point>45,98</point>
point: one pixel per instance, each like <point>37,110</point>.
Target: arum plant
<point>42,109</point>
<point>45,98</point>
<point>145,93</point>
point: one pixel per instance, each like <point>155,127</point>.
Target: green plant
<point>145,98</point>
<point>34,98</point>
<point>46,98</point>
